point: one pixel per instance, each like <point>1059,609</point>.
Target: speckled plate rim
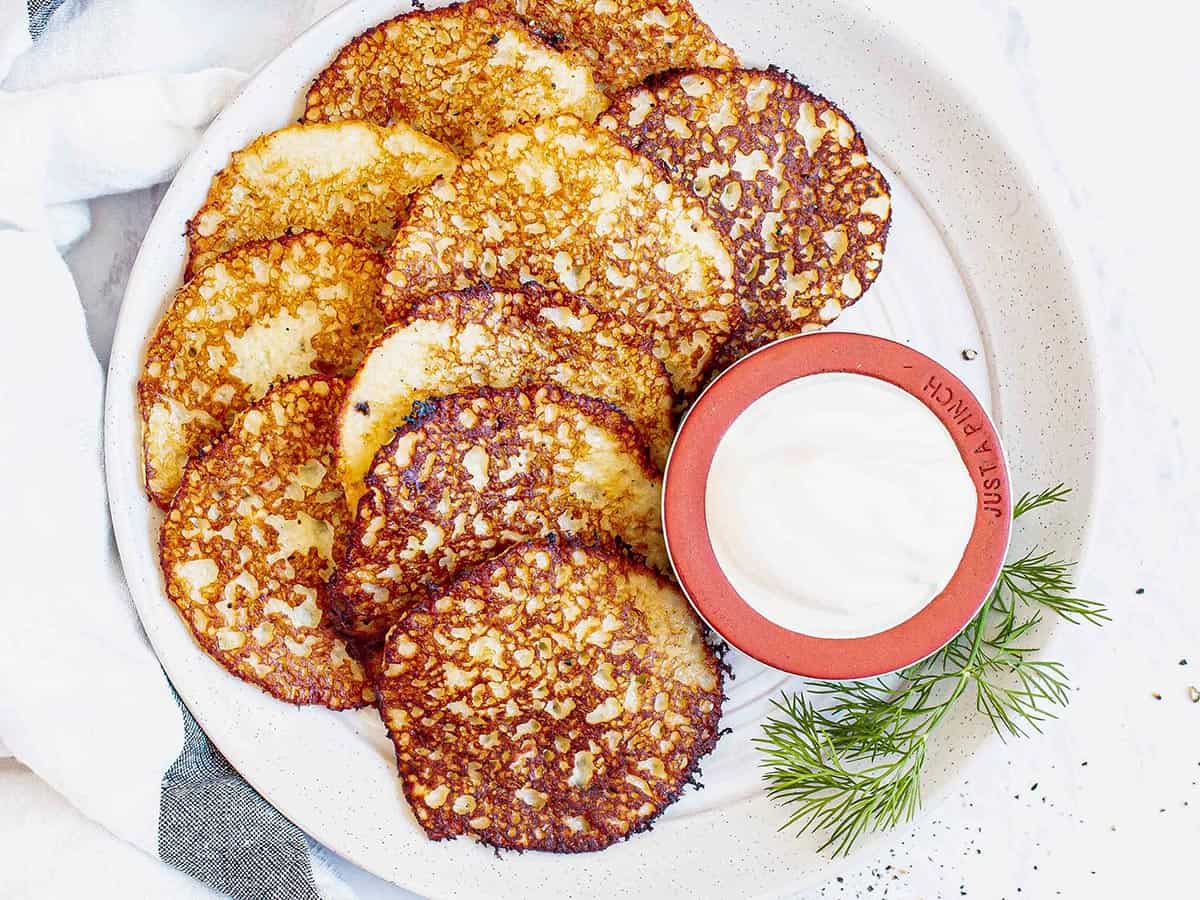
<point>685,519</point>
<point>984,202</point>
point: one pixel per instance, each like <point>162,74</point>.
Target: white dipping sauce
<point>838,505</point>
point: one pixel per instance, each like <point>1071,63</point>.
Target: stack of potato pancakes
<point>407,414</point>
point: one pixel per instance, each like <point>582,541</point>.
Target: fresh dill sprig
<point>1042,580</point>
<point>847,758</point>
<point>1030,501</point>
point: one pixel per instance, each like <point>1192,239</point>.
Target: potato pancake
<point>460,340</point>
<point>783,173</point>
<point>461,73</point>
<point>564,204</point>
<point>627,40</point>
<point>274,309</point>
<point>557,698</point>
<point>347,178</point>
<point>479,471</point>
<point>247,545</point>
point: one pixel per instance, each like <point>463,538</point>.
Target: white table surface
<point>1101,102</point>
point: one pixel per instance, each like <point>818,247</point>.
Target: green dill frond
<point>1029,502</point>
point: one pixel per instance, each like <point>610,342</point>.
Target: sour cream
<point>838,506</point>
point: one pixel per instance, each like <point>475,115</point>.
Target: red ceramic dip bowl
<point>685,521</point>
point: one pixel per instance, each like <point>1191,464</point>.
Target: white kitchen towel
<point>83,701</point>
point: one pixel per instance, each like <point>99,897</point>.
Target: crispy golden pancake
<point>566,205</point>
<point>246,548</point>
<point>555,698</point>
<point>269,310</point>
<point>627,40</point>
<point>460,73</point>
<point>479,471</point>
<point>348,178</point>
<point>460,340</point>
<point>783,173</point>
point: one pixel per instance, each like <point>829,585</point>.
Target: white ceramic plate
<point>973,263</point>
